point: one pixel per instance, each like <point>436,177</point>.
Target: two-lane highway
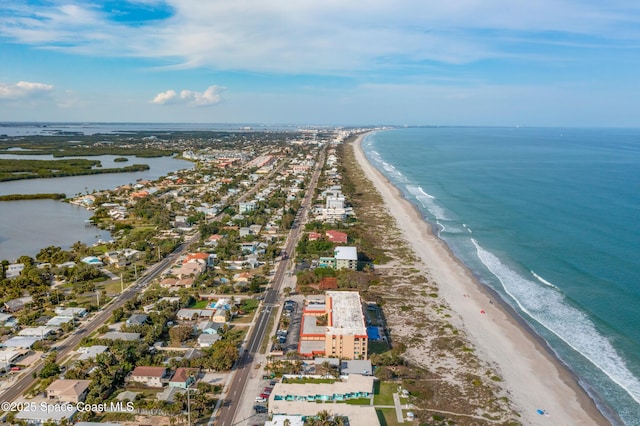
<point>235,392</point>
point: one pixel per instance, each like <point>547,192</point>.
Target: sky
<point>330,62</point>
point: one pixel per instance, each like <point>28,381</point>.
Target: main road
<point>243,367</point>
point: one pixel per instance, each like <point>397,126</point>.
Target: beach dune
<point>541,388</point>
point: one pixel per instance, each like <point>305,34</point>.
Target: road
<point>243,367</point>
<point>65,347</point>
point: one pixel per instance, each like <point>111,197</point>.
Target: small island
<point>120,160</point>
<point>32,169</point>
<point>18,197</point>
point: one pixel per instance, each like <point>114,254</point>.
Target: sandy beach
<point>531,377</point>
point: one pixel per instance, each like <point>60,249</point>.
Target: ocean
<point>550,219</point>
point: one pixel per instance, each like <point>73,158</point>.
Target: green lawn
<point>249,305</point>
<point>387,417</point>
<point>383,393</point>
<point>202,304</point>
<point>359,401</point>
<point>245,319</point>
<point>112,287</point>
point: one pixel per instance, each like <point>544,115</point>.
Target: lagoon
<point>29,225</point>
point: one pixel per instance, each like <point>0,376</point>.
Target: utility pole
<point>188,404</point>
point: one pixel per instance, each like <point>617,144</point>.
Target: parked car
<point>260,409</point>
<point>264,395</point>
<point>260,399</point>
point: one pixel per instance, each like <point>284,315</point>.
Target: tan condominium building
<point>335,328</point>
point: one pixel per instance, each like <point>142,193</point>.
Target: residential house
<point>213,240</point>
<point>20,342</point>
<point>183,378</point>
<point>137,319</point>
<point>153,377</point>
<point>207,340</point>
<point>192,268</point>
<point>13,270</point>
<point>18,304</point>
<point>71,391</point>
<point>58,321</point>
<point>175,283</point>
<point>336,236</point>
<point>208,327</point>
<point>255,229</point>
<point>246,207</point>
<point>314,236</point>
<point>118,335</point>
<point>207,258</point>
<point>249,248</point>
<point>70,312</point>
<point>242,277</point>
<point>91,352</point>
<point>40,331</point>
<point>8,320</point>
<point>220,315</point>
<point>190,314</point>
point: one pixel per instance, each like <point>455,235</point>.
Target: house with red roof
<point>336,236</point>
<point>183,378</point>
<point>314,236</point>
<point>207,258</point>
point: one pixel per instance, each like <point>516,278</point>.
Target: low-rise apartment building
<point>336,328</point>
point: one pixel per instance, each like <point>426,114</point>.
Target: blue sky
<point>417,62</point>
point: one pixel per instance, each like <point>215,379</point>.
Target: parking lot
<point>294,314</point>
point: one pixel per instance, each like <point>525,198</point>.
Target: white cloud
<point>167,97</point>
<point>307,36</point>
<point>23,90</point>
<point>210,96</point>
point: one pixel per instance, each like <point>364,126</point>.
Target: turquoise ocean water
<point>550,219</point>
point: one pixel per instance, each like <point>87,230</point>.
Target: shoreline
<point>539,380</point>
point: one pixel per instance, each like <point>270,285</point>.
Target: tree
<point>50,369</point>
<point>224,355</point>
<point>180,334</point>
